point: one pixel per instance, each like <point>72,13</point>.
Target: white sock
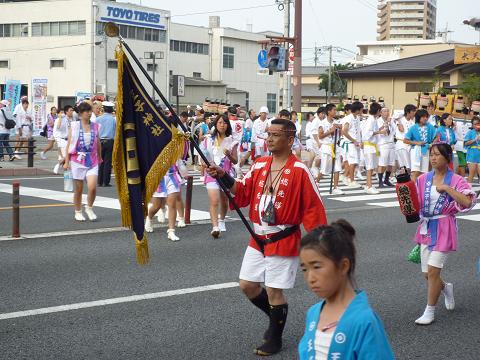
<point>430,310</point>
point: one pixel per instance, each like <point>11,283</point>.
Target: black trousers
<point>105,168</point>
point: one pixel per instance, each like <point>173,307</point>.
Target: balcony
<point>407,7</point>
<point>406,32</point>
<point>381,21</point>
<point>406,23</point>
<point>406,15</point>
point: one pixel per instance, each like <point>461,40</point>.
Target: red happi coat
<point>297,202</point>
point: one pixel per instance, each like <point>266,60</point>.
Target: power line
<point>317,22</point>
<point>225,10</point>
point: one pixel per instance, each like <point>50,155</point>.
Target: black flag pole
<point>112,30</point>
<point>335,138</point>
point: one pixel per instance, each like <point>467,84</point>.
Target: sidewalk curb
<point>25,171</point>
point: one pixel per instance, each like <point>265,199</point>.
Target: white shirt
<point>353,127</point>
<point>322,344</point>
<point>314,128</point>
<point>370,126</point>
<point>248,123</point>
<point>258,130</point>
<point>298,126</point>
<point>385,139</point>
<point>61,132</point>
<point>237,129</point>
<point>400,135</point>
<point>461,129</point>
<point>23,118</point>
<point>308,129</point>
<point>432,119</point>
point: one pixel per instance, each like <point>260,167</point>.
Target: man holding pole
<point>281,194</point>
<point>329,134</point>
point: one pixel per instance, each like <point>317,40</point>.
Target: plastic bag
<point>414,255</point>
<point>67,181</point>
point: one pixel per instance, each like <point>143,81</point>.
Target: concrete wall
<point>27,60</point>
<point>392,89</point>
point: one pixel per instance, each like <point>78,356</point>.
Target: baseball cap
<point>263,109</point>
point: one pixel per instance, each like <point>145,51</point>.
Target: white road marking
<point>100,201</point>
<point>365,197</point>
<point>32,178</point>
<point>119,300</point>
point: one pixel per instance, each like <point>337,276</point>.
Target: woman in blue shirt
<point>343,325</point>
<point>472,144</point>
<point>445,132</point>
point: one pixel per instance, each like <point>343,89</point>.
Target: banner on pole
<point>39,102</point>
<point>12,92</point>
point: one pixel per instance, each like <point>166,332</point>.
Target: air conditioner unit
<point>100,89</point>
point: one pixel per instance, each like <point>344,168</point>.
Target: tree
<point>470,87</point>
<point>339,86</point>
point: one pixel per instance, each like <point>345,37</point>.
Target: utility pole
<point>287,82</point>
<point>105,43</point>
<point>297,65</point>
<point>329,92</point>
<point>315,55</point>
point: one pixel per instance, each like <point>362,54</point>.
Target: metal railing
<point>30,152</point>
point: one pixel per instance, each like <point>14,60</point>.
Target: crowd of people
<point>282,193</point>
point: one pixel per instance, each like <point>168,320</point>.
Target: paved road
<point>206,324</point>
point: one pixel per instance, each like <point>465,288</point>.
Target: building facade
<point>406,19</point>
<point>63,41</point>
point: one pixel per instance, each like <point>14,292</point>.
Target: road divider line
<point>113,301</point>
<point>36,206</point>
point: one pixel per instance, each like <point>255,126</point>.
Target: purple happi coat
<point>439,229</point>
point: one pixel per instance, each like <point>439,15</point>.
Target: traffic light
<point>277,59</point>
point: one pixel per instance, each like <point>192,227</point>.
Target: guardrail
<point>30,149</point>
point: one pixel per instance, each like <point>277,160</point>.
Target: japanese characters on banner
<point>12,92</point>
<point>39,102</point>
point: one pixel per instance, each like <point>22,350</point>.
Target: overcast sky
<point>342,23</point>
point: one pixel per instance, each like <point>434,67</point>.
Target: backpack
<point>9,123</point>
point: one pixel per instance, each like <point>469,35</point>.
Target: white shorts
<point>212,185</point>
<point>309,145</point>
<point>403,157</point>
<point>387,155</point>
<point>326,163</point>
<point>166,188</point>
<point>433,258</point>
<point>423,168</point>
<point>353,154</point>
<point>80,172</point>
<point>277,272</point>
<point>371,161</point>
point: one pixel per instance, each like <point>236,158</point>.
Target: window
<point>197,75</point>
<point>417,87</point>
<point>194,48</point>
<point>62,28</point>
<point>150,67</point>
<point>131,32</point>
<point>155,34</point>
<point>4,64</point>
<point>182,46</point>
<point>148,34</point>
<point>272,103</point>
<point>123,30</point>
<point>13,30</point>
<point>188,47</point>
<point>112,64</point>
<point>54,29</point>
<point>176,45</point>
<point>140,33</point>
<point>57,63</point>
<point>228,57</point>
<point>171,44</point>
<point>185,46</point>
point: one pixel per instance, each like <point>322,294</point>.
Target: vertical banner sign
<point>39,102</point>
<point>12,92</point>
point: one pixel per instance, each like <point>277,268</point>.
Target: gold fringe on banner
<point>118,160</point>
<point>169,155</point>
<point>141,247</point>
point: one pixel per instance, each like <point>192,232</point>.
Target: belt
<point>475,147</point>
<point>368,143</point>
<point>425,220</point>
<point>280,235</point>
<point>106,138</point>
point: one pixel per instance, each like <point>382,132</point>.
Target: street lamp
<point>475,23</point>
<point>153,55</point>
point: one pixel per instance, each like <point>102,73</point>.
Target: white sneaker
<point>181,223</point>
<point>56,168</point>
<point>372,191</point>
<point>448,293</point>
<point>18,157</point>
<point>202,178</point>
<point>215,232</point>
<point>342,178</point>
<point>359,176</point>
<point>79,216</point>
<point>346,181</point>
<point>42,156</point>
<point>148,225</point>
<point>161,216</point>
<point>171,235</point>
<point>337,191</point>
<point>426,319</point>
<point>221,225</point>
<point>354,185</point>
<point>90,214</point>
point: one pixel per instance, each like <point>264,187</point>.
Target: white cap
<point>198,107</point>
<point>188,106</point>
<point>263,109</point>
<point>108,103</point>
<point>4,102</point>
<point>397,114</point>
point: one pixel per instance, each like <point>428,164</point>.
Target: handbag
<point>9,123</point>
<point>67,181</point>
<point>414,255</point>
<point>44,131</point>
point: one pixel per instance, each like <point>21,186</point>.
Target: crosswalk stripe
<point>365,197</point>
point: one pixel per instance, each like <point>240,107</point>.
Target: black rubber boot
<point>380,180</point>
<point>261,302</point>
<point>387,179</point>
<point>273,342</point>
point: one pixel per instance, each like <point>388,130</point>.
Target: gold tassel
<point>118,160</point>
<point>141,247</point>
